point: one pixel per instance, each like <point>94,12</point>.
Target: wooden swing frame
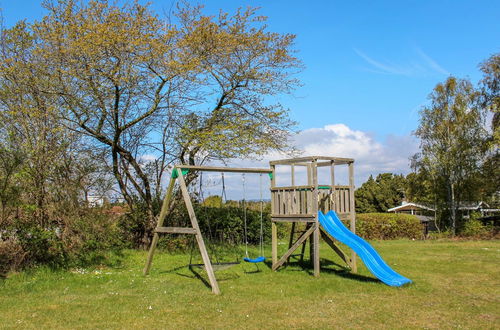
<point>295,204</point>
<point>194,229</point>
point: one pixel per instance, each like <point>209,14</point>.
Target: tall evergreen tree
<point>380,194</point>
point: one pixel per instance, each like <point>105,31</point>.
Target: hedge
<point>386,226</point>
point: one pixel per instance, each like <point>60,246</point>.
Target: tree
<point>44,167</point>
<point>29,122</point>
<point>490,91</point>
<point>381,194</point>
<point>11,161</point>
<point>188,90</point>
<point>452,134</point>
<point>240,66</point>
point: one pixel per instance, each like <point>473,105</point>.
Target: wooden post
<point>332,180</point>
<point>274,229</point>
<point>309,176</point>
<point>290,242</point>
<point>163,214</point>
<point>316,233</point>
<point>352,212</point>
<point>199,237</point>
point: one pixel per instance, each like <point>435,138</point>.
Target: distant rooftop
<point>462,206</point>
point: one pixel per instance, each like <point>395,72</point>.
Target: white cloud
<point>423,65</point>
<point>371,156</point>
<point>431,62</point>
<point>386,68</point>
<point>337,140</point>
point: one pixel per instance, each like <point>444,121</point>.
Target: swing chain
<point>245,215</point>
<point>223,194</point>
<point>261,238</point>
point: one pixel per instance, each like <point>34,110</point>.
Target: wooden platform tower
<point>301,203</point>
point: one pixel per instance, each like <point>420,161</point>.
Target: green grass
<point>456,284</point>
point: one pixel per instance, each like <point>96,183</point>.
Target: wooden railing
<point>297,201</point>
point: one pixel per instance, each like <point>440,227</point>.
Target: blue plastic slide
<point>332,224</point>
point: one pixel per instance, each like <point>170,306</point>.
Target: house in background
<point>413,208</point>
<point>481,207</point>
<point>95,200</point>
<point>424,213</point>
<point>427,214</point>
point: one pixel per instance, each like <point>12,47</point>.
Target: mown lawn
<point>456,284</point>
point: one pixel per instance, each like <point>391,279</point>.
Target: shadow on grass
<point>351,276</point>
<point>327,266</point>
<point>253,265</point>
<point>196,273</point>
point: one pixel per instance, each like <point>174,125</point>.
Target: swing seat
<point>255,260</point>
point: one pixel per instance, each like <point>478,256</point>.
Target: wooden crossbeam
<point>336,248</point>
<point>337,160</point>
<point>301,240</point>
<point>292,219</point>
<point>176,230</point>
<point>224,169</point>
<point>292,215</point>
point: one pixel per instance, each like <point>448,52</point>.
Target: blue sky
<point>369,66</point>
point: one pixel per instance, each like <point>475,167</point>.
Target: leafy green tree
<point>381,194</point>
<point>11,162</point>
<point>136,86</point>
<point>213,201</point>
<point>452,134</point>
<point>490,91</point>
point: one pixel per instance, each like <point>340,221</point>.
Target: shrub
<point>388,226</point>
<point>42,244</point>
<point>219,225</point>
<point>474,228</point>
<point>89,238</point>
<point>12,256</point>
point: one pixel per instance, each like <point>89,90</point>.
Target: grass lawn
<point>456,284</point>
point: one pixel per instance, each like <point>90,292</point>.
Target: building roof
<point>472,205</point>
<point>462,206</point>
<point>410,206</point>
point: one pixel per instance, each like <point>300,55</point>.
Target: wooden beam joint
<point>175,230</point>
<point>294,247</point>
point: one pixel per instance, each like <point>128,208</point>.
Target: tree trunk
<point>453,210</point>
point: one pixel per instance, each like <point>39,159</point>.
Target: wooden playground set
<point>294,204</point>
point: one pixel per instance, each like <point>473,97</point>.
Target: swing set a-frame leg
<point>195,229</point>
<point>163,214</point>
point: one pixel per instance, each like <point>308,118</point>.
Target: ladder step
<point>175,230</point>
